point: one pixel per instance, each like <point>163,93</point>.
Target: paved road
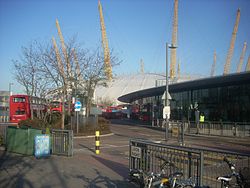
<point>85,169</point>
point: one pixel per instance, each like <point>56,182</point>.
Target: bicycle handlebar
<point>228,178</point>
<point>230,164</point>
<point>166,162</point>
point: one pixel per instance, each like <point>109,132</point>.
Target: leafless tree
<point>26,71</point>
<point>41,71</point>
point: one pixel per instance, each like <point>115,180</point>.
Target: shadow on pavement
<point>18,170</point>
<point>86,147</point>
<point>118,168</point>
<point>104,181</point>
<point>13,167</point>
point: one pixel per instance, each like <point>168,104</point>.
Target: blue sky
<point>136,29</point>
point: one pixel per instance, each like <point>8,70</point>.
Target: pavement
<point>81,170</point>
<point>86,169</point>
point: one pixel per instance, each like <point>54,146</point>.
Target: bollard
<point>97,142</point>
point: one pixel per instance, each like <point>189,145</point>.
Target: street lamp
<point>10,84</point>
<point>166,110</point>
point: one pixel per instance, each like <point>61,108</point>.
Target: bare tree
<point>94,75</point>
<point>26,73</point>
<point>42,70</point>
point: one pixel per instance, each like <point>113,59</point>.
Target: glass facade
<point>226,103</point>
<point>229,103</point>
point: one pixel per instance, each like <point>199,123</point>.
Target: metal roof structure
<point>204,83</point>
<point>126,84</point>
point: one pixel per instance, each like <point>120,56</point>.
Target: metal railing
<point>144,155</point>
<point>4,118</point>
<point>3,133</point>
<point>231,129</point>
<point>62,142</point>
<point>203,165</point>
<point>214,165</point>
<point>228,129</point>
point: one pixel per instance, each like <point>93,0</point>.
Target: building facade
<point>4,106</point>
<point>220,98</point>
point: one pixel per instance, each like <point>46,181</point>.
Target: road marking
<point>144,134</point>
<point>113,146</point>
<point>103,146</point>
<point>134,128</point>
<point>92,136</point>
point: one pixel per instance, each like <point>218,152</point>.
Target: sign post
<point>78,106</point>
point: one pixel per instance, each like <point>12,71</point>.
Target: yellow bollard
<point>97,142</point>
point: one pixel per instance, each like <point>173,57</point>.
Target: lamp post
<point>10,93</point>
<point>10,84</point>
<point>166,110</point>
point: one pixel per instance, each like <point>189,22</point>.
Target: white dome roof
<point>125,84</point>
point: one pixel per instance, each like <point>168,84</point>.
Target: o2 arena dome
<point>125,84</point>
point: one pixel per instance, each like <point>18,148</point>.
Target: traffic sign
<point>78,106</point>
<point>166,112</point>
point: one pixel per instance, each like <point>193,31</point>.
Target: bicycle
<point>175,180</point>
<point>152,179</point>
<point>241,182</point>
<point>147,180</point>
<point>162,179</point>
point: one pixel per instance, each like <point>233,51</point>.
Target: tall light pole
<point>166,110</point>
<point>10,92</point>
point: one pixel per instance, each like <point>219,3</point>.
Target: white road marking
<point>113,146</point>
<point>133,128</point>
<point>104,146</point>
<point>144,134</point>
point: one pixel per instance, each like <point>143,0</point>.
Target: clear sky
<point>136,29</point>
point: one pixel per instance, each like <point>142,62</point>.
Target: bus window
<point>20,112</point>
<point>18,99</point>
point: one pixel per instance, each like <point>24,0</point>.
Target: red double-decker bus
<point>56,106</point>
<point>22,106</point>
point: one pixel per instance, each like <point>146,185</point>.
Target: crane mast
<point>174,41</point>
<point>64,50</point>
<point>142,66</point>
<point>248,64</point>
<point>179,70</point>
<point>239,68</point>
<point>231,48</point>
<point>107,64</point>
<point>213,66</point>
<point>58,58</point>
<point>78,72</point>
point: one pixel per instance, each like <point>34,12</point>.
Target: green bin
<point>21,140</point>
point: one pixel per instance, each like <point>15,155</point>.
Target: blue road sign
<point>78,106</point>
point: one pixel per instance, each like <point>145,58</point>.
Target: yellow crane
<point>61,71</point>
<point>231,48</point>
<point>174,41</point>
<point>141,66</point>
<point>107,64</point>
<point>64,50</point>
<point>59,60</point>
<point>78,72</point>
<point>239,68</point>
<point>214,64</point>
<point>179,70</point>
<point>248,64</point>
